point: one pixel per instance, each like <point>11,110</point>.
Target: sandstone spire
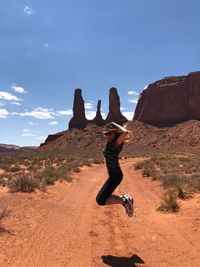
<point>114,108</point>
<point>78,120</point>
<point>98,118</point>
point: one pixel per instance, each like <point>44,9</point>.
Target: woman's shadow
<point>115,261</point>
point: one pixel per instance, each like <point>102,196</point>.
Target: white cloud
<point>122,108</point>
<point>53,122</point>
<point>2,104</point>
<point>133,93</point>
<point>38,113</point>
<point>64,112</point>
<point>41,138</point>
<point>8,96</point>
<point>32,123</point>
<point>88,105</point>
<point>25,130</point>
<point>3,113</point>
<point>16,103</point>
<point>28,134</point>
<point>133,100</point>
<point>28,10</point>
<point>128,115</point>
<point>90,115</point>
<point>46,45</point>
<point>18,89</point>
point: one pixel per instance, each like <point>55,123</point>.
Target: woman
<point>116,136</point>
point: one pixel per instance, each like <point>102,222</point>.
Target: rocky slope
<point>143,135</point>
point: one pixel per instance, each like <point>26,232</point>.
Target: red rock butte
<point>170,101</point>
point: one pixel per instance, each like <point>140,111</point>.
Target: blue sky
<point>49,48</point>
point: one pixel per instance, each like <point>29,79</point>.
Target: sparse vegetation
<point>23,183</point>
<point>26,171</point>
<point>4,213</point>
<point>168,202</point>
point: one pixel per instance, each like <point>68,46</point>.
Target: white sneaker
<point>128,204</point>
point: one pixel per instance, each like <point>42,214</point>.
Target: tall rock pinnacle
<point>78,120</point>
<point>98,120</point>
<point>114,108</point>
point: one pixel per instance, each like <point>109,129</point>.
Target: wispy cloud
<point>2,104</point>
<point>133,100</point>
<point>25,130</point>
<point>53,122</point>
<point>122,108</point>
<point>32,123</point>
<point>3,113</point>
<point>28,134</point>
<point>16,103</point>
<point>18,89</point>
<point>133,93</point>
<point>64,112</point>
<point>88,105</point>
<point>8,96</point>
<point>128,115</point>
<point>28,10</point>
<point>38,113</point>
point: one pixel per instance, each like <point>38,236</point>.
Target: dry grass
<point>26,171</point>
<point>168,202</point>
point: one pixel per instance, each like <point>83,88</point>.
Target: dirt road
<point>64,227</point>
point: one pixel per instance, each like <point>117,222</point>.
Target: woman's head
<point>111,132</point>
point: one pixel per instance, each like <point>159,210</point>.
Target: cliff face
<point>170,100</point>
<point>79,120</point>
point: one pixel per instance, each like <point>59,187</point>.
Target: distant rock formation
<point>114,108</point>
<point>78,120</point>
<point>98,120</point>
<point>170,100</point>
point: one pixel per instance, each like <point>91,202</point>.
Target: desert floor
<point>65,227</point>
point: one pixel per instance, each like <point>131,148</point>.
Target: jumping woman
<point>116,135</point>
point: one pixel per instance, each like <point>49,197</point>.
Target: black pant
<point>105,192</point>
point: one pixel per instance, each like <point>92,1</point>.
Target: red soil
<point>65,227</point>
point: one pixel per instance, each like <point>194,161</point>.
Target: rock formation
<point>78,120</point>
<point>98,120</point>
<point>170,100</point>
<point>114,108</point>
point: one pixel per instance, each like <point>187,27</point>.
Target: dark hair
<point>117,134</point>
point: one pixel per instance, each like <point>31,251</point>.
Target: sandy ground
<point>65,227</point>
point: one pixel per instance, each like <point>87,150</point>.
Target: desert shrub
<point>6,167</point>
<point>97,161</point>
<point>181,188</point>
<point>194,181</point>
<point>168,202</point>
<point>170,179</point>
<point>138,165</point>
<point>15,168</point>
<point>149,169</point>
<point>50,175</point>
<point>23,183</point>
<point>4,213</point>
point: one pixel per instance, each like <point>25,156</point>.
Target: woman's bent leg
<point>105,197</point>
